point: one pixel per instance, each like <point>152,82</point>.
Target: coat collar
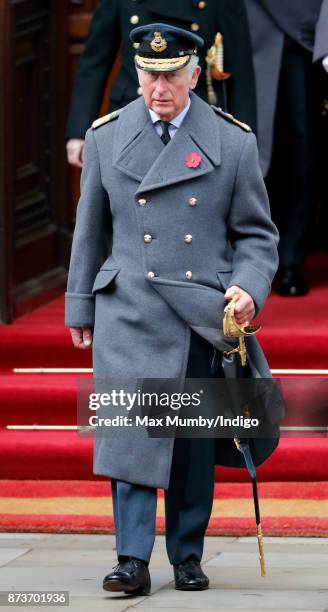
<point>140,154</point>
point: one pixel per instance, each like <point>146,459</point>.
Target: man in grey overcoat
<point>109,33</point>
<point>287,39</point>
<point>172,221</point>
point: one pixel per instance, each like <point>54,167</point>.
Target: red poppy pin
<point>193,160</point>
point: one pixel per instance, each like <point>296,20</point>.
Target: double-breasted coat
<point>156,245</point>
<point>306,23</point>
<point>110,29</point>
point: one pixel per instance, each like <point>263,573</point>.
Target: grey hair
<point>192,65</point>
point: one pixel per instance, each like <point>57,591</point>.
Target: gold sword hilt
<point>232,329</point>
<point>215,59</point>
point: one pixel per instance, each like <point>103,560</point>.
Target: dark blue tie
<point>165,138</point>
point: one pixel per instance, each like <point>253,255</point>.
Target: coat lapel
<point>140,154</point>
<point>136,142</point>
<point>198,133</point>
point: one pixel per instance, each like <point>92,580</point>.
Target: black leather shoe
<point>189,576</point>
<point>131,576</point>
<point>290,282</point>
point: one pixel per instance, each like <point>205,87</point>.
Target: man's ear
<point>138,73</point>
<point>195,77</point>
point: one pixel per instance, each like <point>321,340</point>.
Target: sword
<point>215,70</point>
<point>232,329</point>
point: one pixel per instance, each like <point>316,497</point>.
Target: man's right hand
<point>81,337</point>
<point>75,152</point>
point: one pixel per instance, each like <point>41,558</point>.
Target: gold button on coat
<point>195,27</point>
<point>151,274</point>
<point>188,238</point>
<point>134,19</point>
<point>142,202</point>
<point>192,201</point>
<point>136,45</point>
<point>147,238</point>
<point>201,4</point>
<point>188,275</point>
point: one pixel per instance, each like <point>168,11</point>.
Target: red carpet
<point>85,507</point>
<point>295,330</point>
<point>295,335</point>
<point>65,456</point>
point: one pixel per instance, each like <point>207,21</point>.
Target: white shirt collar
<point>176,121</point>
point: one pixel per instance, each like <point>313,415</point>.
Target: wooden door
<point>33,207</point>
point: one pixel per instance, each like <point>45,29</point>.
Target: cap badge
<point>158,43</point>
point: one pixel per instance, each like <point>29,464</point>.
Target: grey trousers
<point>188,499</point>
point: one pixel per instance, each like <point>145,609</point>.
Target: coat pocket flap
<point>224,277</point>
<point>104,278</point>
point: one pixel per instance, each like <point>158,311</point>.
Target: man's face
<point>166,93</point>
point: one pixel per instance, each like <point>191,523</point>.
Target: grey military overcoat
<point>133,186</point>
<point>270,21</point>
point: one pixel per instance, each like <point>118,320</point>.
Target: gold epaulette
<point>232,119</point>
<point>102,120</point>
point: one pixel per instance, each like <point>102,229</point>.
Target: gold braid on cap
<point>161,63</point>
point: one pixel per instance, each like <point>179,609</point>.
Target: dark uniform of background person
<point>110,28</point>
<point>290,40</point>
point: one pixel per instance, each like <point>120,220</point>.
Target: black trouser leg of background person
<point>291,178</point>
